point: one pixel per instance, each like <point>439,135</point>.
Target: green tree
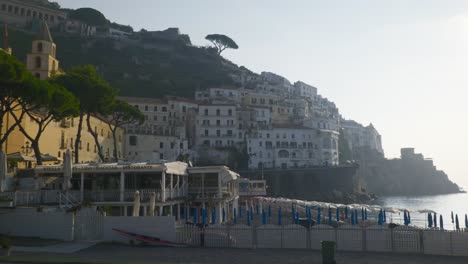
<point>13,81</point>
<point>122,114</point>
<point>96,98</point>
<point>221,42</point>
<point>89,16</point>
<point>49,102</point>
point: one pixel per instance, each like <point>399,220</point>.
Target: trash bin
<point>328,252</point>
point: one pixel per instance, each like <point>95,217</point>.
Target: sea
<point>441,204</point>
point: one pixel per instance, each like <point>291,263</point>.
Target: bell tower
<point>41,62</point>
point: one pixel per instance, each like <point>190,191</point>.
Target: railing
<point>401,239</point>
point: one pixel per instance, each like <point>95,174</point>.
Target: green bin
<point>328,252</point>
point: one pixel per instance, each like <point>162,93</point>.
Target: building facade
<point>22,12</point>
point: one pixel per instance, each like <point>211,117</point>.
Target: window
<point>206,112</point>
<point>28,13</point>
<point>206,142</point>
<point>164,118</point>
<point>34,13</point>
<point>155,109</point>
<point>181,145</point>
<point>58,154</point>
<point>172,106</point>
<point>161,156</point>
<point>184,109</point>
<point>218,133</point>
<point>218,122</point>
<point>16,10</point>
<point>260,143</point>
<point>22,11</point>
<point>133,140</point>
<point>164,109</point>
<point>10,8</point>
<point>268,135</point>
<point>38,62</point>
<point>146,108</point>
<point>155,118</point>
<point>172,145</point>
<point>218,112</point>
<point>230,112</point>
<point>3,7</point>
<point>161,145</point>
<point>136,106</point>
<point>229,132</point>
<point>71,143</point>
<point>206,132</point>
<point>87,146</point>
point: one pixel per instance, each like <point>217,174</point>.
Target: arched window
<point>38,62</point>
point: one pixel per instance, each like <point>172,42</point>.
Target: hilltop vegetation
<point>138,67</point>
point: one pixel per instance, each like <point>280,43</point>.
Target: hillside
<point>138,67</point>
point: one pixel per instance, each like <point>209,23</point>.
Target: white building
<point>359,136</point>
<point>305,90</point>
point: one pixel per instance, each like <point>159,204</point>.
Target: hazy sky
<point>400,64</point>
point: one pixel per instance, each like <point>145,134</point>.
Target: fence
<point>401,239</point>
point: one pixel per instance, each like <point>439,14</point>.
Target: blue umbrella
<point>356,216</point>
<point>240,211</point>
<point>337,214</point>
<point>264,219</point>
<point>435,220</point>
<point>204,217</point>
<point>213,216</point>
<point>384,216</point>
<point>293,211</point>
<point>352,217</point>
<point>452,218</point>
<point>346,212</point>
<point>297,218</point>
<point>365,213</point>
<point>466,221</point>
<point>224,215</point>
<point>362,214</point>
<point>309,216</point>
<point>319,215</point>
<point>457,224</point>
<point>195,218</point>
<point>429,219</point>
<point>235,216</point>
<point>441,222</point>
<point>249,218</point>
<point>186,214</point>
<point>279,216</point>
<point>269,210</point>
<point>409,218</point>
<point>405,220</point>
<point>330,216</point>
<point>380,218</point>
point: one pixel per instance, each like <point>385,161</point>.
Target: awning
<point>20,157</point>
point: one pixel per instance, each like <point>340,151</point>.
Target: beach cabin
<point>213,188</point>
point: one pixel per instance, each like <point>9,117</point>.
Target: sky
<point>398,64</point>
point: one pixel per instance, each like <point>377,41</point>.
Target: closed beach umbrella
<point>452,218</point>
<point>356,216</point>
<point>279,216</point>
<point>409,218</point>
<point>405,218</point>
<point>269,210</point>
<point>337,214</point>
<point>319,215</point>
<point>365,213</point>
<point>297,217</point>
<point>384,216</point>
<point>204,216</point>
<point>457,224</point>
<point>264,219</point>
<point>352,217</point>
<point>224,215</point>
<point>67,170</point>
<point>152,203</point>
<point>330,216</point>
<point>213,216</point>
<point>136,204</point>
<point>435,220</point>
<point>429,219</point>
<point>346,212</point>
<point>195,216</point>
<point>293,211</point>
<point>235,216</point>
<point>466,221</point>
<point>249,219</point>
<point>309,216</point>
<point>362,214</point>
<point>441,222</point>
<point>380,222</point>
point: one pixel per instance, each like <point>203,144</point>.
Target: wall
<point>28,222</point>
<point>162,227</point>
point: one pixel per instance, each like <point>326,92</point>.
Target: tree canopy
<point>221,42</point>
<point>89,16</point>
<point>96,98</point>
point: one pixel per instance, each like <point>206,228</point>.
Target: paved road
<point>126,254</point>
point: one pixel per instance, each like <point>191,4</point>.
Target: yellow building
<point>59,136</point>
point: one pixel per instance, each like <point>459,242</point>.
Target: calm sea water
<point>441,204</point>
